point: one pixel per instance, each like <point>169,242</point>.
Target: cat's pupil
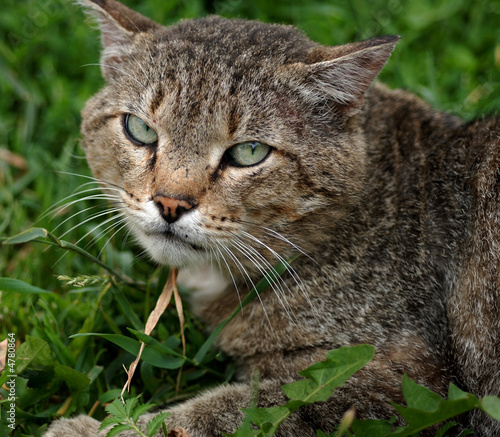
<point>138,131</point>
<point>248,153</point>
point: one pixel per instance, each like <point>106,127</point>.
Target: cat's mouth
<point>170,238</point>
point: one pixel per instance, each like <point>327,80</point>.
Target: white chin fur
<point>172,253</point>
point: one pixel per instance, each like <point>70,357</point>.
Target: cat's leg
<point>209,414</point>
<point>80,426</point>
<point>219,411</point>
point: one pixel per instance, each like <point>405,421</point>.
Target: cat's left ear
<point>344,73</point>
<point>118,25</point>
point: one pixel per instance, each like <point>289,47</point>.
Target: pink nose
<point>171,209</point>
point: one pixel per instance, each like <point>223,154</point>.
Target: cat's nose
<point>171,209</point>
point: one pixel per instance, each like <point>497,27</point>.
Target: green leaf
<point>267,419</point>
<point>324,377</point>
<point>371,428</point>
<point>127,309</point>
<point>321,379</point>
<point>26,236</point>
<point>455,393</point>
<point>139,410</point>
<point>74,379</point>
<point>447,426</point>
<point>157,359</point>
<point>130,405</point>
<point>34,352</point>
<point>118,429</point>
<point>154,344</point>
<point>94,373</point>
<point>155,423</point>
<point>110,395</point>
<point>491,406</point>
<point>421,416</point>
<point>418,396</point>
<point>16,286</point>
<point>109,421</point>
<point>117,409</point>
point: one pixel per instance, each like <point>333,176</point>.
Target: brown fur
<point>395,204</point>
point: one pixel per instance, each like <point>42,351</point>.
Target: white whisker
<point>276,280</point>
<point>115,217</point>
<point>55,209</point>
<point>81,212</point>
<point>93,217</point>
<point>279,236</point>
<point>221,255</point>
<point>289,268</point>
<point>121,223</point>
<point>243,271</point>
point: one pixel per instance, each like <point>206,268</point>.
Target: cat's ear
<point>344,73</point>
<point>118,26</point>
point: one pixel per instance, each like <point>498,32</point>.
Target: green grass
<point>449,54</point>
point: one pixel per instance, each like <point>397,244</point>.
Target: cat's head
<point>224,138</point>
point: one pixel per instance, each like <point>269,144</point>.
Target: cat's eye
<point>138,131</point>
<point>248,153</point>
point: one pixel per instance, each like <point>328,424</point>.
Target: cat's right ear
<point>118,25</point>
<point>343,73</point>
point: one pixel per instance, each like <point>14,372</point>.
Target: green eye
<point>139,131</point>
<point>249,153</point>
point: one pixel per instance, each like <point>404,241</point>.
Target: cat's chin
<point>169,250</point>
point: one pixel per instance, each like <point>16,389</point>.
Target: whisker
<point>96,180</point>
<point>275,283</point>
<point>82,212</point>
<point>102,196</point>
<point>93,217</point>
<point>251,253</point>
<point>289,268</point>
<point>279,236</point>
<point>228,269</point>
<point>56,208</point>
<point>121,223</point>
<point>243,271</point>
<point>115,217</point>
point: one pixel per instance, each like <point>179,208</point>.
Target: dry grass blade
<point>180,312</point>
<point>161,305</point>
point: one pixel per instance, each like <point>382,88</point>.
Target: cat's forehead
<point>230,42</point>
<point>193,71</point>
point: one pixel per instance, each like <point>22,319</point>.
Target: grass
<point>449,54</point>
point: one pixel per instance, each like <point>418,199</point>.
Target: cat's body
<point>396,206</point>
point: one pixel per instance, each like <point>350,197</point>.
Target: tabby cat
<point>245,143</point>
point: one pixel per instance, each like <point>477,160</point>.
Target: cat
<point>247,143</point>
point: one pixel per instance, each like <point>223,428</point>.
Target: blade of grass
<point>34,234</point>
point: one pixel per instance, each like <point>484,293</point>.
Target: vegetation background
<point>449,54</point>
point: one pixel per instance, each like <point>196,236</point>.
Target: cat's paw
<point>80,426</point>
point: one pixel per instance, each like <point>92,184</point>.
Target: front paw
<point>80,426</point>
